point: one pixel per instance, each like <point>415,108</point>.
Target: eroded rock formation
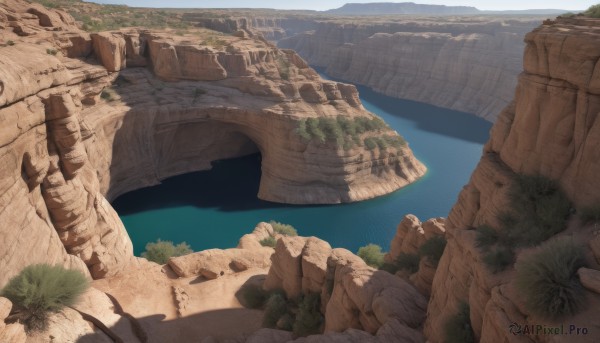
<point>468,64</point>
<point>550,129</point>
<point>353,295</point>
<point>89,117</point>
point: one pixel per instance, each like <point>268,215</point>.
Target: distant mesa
<point>387,8</point>
<point>379,8</point>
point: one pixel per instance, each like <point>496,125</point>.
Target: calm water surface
<point>213,209</point>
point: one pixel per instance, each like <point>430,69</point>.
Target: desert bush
<point>40,289</point>
<point>395,141</point>
<point>253,296</point>
<point>404,261</point>
<point>539,210</point>
<point>268,242</point>
<point>593,11</point>
<point>372,255</point>
<point>52,52</point>
<point>458,328</point>
<point>161,251</point>
<point>107,94</point>
<point>302,130</point>
<point>370,143</point>
<point>333,131</point>
<point>283,229</point>
<point>547,279</point>
<point>309,320</point>
<point>433,248</point>
<point>314,129</point>
<point>498,259</point>
<point>10,42</point>
<point>486,236</point>
<point>275,308</point>
<point>589,215</point>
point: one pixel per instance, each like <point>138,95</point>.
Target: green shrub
<point>161,251</point>
<point>381,143</point>
<point>404,261</point>
<point>107,94</point>
<point>52,52</point>
<point>370,143</point>
<point>486,236</point>
<point>593,11</point>
<point>548,281</point>
<point>433,249</point>
<point>252,296</point>
<point>286,322</point>
<point>302,130</point>
<point>372,255</point>
<point>314,129</point>
<point>333,131</point>
<point>269,242</point>
<point>498,259</point>
<point>10,42</point>
<point>348,126</point>
<point>309,320</point>
<point>283,229</point>
<point>589,215</point>
<point>540,210</point>
<point>275,308</point>
<point>458,328</point>
<point>41,288</point>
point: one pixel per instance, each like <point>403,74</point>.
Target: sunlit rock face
<point>89,117</point>
<point>550,129</point>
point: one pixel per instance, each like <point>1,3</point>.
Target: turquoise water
<point>213,209</point>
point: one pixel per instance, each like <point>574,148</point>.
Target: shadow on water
<point>230,186</point>
<point>438,120</point>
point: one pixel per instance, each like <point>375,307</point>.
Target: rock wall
<point>85,118</point>
<point>354,296</point>
<point>468,64</point>
<point>551,129</point>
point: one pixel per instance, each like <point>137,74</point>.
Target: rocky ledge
<point>87,117</point>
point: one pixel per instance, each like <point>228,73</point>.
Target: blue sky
<point>328,4</point>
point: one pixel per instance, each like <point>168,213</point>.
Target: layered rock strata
<point>354,296</point>
<point>468,64</point>
<point>89,117</point>
<point>550,129</point>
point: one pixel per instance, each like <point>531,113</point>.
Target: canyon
<point>87,117</point>
<point>464,63</point>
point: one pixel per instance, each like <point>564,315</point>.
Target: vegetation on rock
<point>433,248</point>
<point>309,320</point>
<point>372,255</point>
<point>161,251</point>
<point>41,289</point>
<point>96,17</point>
<point>458,328</point>
<point>269,242</point>
<point>547,279</point>
<point>593,11</point>
<point>275,308</point>
<point>302,315</point>
<point>539,210</point>
<point>283,229</point>
<point>404,261</point>
<point>345,132</point>
<point>252,296</point>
